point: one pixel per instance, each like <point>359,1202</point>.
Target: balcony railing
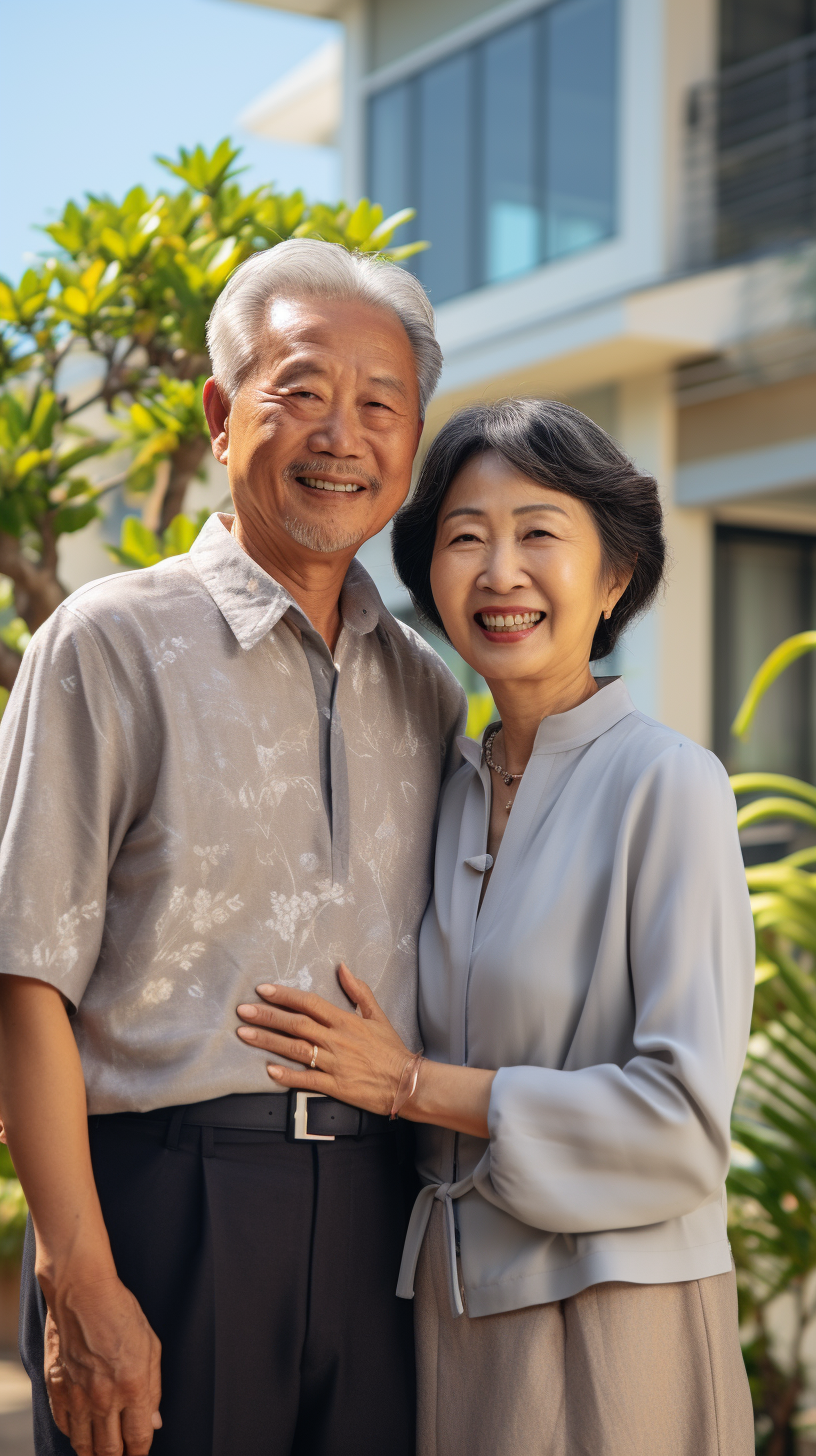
<point>751,157</point>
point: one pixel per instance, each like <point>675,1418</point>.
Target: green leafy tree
<point>127,291</point>
<point>772,1184</point>
<point>142,547</point>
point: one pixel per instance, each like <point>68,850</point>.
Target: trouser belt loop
<point>174,1126</point>
<point>359,1133</point>
<point>207,1142</point>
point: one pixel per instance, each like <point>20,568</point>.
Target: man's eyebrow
<point>519,511</point>
<point>390,381</point>
<point>295,367</point>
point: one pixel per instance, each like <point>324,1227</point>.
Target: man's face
<point>320,439</point>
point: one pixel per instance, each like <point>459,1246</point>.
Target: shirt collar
<point>252,602</point>
<point>573,729</point>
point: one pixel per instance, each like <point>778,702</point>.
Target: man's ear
<point>217,411</point>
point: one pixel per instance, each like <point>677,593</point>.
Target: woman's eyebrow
<point>519,511</point>
<point>540,506</point>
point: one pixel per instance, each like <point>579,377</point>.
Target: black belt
<point>303,1116</point>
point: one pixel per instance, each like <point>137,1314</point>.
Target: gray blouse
<point>609,977</point>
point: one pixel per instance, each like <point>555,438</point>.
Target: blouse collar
<point>574,729</point>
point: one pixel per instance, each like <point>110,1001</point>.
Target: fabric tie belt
<point>443,1193</point>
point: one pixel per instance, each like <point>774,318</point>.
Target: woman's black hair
<point>557,446</point>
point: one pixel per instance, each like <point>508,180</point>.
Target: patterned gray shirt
<point>195,797</point>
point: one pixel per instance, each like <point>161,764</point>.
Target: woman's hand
<point>359,1059</point>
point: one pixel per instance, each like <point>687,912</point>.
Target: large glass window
<point>510,161</point>
<point>507,149</point>
<point>444,182</point>
<point>389,170</point>
<point>580,166</point>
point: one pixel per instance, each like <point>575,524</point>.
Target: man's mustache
<point>337,468</point>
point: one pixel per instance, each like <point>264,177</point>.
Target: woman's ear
<point>615,588</point>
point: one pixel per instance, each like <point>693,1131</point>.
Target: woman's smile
<point>508,624</point>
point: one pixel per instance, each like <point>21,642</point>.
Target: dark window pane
<point>749,27</point>
<point>445,173</point>
<point>764,593</point>
<point>511,220</point>
<point>580,130</point>
<point>389,179</point>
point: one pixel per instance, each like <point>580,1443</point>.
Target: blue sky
<point>92,89</point>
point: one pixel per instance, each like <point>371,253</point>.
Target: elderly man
<point>220,772</point>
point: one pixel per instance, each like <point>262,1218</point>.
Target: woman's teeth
<point>330,484</point>
<point>510,623</point>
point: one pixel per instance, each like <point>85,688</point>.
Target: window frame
<point>471,39</point>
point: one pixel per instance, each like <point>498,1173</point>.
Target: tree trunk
<point>9,666</point>
<point>184,462</point>
<point>38,590</point>
<point>781,1411</point>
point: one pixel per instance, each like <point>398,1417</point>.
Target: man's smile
<point>342,487</point>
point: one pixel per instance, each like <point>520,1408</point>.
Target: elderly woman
<point>586,974</point>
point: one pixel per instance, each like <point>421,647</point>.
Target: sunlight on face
<point>320,438</point>
<point>517,574</point>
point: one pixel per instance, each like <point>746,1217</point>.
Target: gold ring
<point>313,1062</point>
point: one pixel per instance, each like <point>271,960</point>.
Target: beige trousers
<point>618,1370</point>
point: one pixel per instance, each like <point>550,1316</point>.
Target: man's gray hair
<point>309,268</point>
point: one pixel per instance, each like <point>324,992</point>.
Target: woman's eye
<point>465,536</point>
<point>537,533</point>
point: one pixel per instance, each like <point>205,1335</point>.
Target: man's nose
<point>338,432</point>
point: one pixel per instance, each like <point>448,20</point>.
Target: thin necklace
<point>497,767</point>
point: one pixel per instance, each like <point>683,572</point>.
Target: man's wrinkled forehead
<point>313,330</point>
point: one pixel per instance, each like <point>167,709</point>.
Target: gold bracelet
<point>407,1083</point>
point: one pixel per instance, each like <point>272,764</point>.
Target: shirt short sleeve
<point>65,806</point>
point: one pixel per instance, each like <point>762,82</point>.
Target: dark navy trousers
<point>267,1269</point>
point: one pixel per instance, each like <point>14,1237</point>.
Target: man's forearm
<point>101,1357</point>
<point>42,1099</point>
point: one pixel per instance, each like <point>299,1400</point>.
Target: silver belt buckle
<point>299,1119</point>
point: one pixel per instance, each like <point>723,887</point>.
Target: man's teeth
<point>336,485</point>
<point>517,622</point>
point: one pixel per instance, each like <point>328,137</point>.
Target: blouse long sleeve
<point>609,1146</point>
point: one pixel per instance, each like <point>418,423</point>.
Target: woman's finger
<point>276,1018</point>
<point>303,1079</point>
<point>281,1046</point>
<point>306,1002</point>
<point>361,994</point>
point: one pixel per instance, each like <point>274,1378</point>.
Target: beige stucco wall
<point>683,637</point>
<point>747,421</point>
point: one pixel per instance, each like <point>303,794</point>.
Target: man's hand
<point>102,1369</point>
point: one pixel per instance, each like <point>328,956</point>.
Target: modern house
<point>621,201</point>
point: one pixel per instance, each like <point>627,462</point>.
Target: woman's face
<point>507,547</point>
